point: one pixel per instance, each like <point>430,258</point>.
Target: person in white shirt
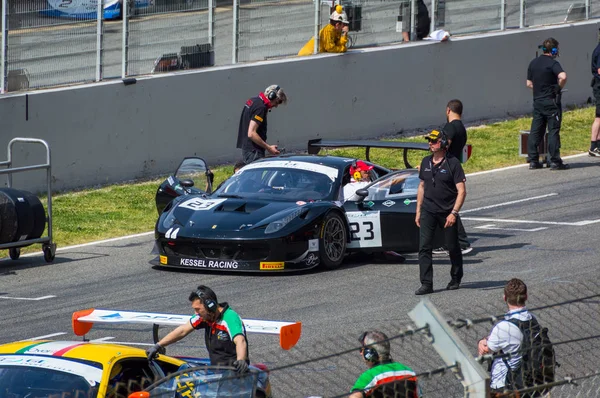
<point>505,336</point>
<point>359,178</point>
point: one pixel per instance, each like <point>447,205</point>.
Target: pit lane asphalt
<point>336,306</point>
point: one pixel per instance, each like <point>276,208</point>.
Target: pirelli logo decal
<point>260,119</point>
<point>272,266</point>
<point>163,260</point>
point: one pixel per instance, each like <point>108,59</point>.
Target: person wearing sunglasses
<point>384,377</point>
<point>440,196</point>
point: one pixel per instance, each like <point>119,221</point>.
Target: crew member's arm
<point>253,135</point>
<point>356,394</point>
<point>460,199</point>
<point>241,347</point>
<point>529,84</point>
<point>177,334</point>
<point>420,194</point>
<point>332,44</point>
<point>562,79</point>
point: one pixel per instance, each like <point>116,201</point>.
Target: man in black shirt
<point>457,138</point>
<point>440,196</point>
<point>595,139</point>
<point>547,78</point>
<point>252,132</point>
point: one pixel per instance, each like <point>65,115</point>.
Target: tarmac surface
<point>538,225</point>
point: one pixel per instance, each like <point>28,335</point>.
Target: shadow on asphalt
<point>9,267</point>
<point>484,285</point>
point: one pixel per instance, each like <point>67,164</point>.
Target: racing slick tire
<point>332,241</point>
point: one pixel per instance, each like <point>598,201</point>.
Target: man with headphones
<point>224,332</point>
<point>359,178</point>
<point>546,78</point>
<point>252,132</point>
<point>440,196</point>
<point>384,378</point>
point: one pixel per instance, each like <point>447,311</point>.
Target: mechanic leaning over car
<point>252,133</point>
<point>224,332</point>
<point>440,196</point>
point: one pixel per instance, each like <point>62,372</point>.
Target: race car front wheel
<point>332,242</point>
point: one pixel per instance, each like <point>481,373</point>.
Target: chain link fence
<point>55,42</point>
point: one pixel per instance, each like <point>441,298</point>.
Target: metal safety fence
<point>47,43</point>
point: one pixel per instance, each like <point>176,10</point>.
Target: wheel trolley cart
<point>48,246</point>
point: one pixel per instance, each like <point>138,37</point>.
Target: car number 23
<point>365,228</point>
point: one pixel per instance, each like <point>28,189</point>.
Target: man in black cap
<point>440,196</point>
<point>547,78</point>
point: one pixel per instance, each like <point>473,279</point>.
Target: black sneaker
<point>453,285</point>
<point>594,152</point>
<point>424,289</point>
<point>535,165</point>
<point>559,166</point>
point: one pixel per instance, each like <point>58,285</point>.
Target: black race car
<point>283,213</point>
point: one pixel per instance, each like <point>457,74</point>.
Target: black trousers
<point>250,156</point>
<point>429,223</point>
<point>547,112</point>
<point>462,234</point>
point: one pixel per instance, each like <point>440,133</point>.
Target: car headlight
<point>277,225</point>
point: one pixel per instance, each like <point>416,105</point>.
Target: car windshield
<point>35,382</point>
<point>280,183</point>
<point>205,382</point>
<point>397,185</point>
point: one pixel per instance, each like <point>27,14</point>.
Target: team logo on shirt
<point>260,119</point>
<point>222,335</point>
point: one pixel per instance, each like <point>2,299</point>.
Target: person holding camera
<point>546,78</point>
<point>333,38</point>
<point>252,132</point>
<point>224,332</point>
<point>440,196</point>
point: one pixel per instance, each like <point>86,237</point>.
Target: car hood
<point>199,215</point>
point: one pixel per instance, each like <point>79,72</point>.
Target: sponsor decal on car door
<point>365,229</point>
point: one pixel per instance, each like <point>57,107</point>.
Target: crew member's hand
<point>273,149</point>
<point>345,29</point>
<point>450,220</point>
<point>153,351</point>
<point>418,219</point>
<point>482,347</point>
<point>241,366</point>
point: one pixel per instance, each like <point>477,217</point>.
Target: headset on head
<point>210,304</point>
<point>273,93</point>
<point>370,354</point>
<point>443,140</point>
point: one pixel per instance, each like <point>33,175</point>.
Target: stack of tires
<point>22,217</point>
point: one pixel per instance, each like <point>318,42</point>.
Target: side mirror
<point>187,183</point>
<point>362,193</point>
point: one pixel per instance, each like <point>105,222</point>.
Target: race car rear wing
<point>83,321</point>
<point>314,146</point>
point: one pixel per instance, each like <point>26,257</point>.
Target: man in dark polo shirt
<point>252,132</point>
<point>224,332</point>
<point>440,196</point>
<point>547,78</point>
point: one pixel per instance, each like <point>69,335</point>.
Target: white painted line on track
<point>492,226</point>
<point>102,339</point>
<point>26,298</point>
<point>508,203</point>
<point>517,166</point>
<point>45,336</point>
<point>496,220</point>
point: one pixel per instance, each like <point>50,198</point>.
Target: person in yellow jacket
<point>333,38</point>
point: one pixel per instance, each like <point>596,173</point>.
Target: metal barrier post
<point>236,30</point>
<point>452,350</point>
<point>211,23</point>
<point>125,44</point>
<point>99,40</point>
<point>587,9</point>
<point>433,9</point>
<point>317,25</point>
<point>502,14</point>
<point>522,14</point>
<point>4,50</point>
<point>413,28</point>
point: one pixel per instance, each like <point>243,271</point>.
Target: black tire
<point>17,217</point>
<point>38,214</point>
<point>14,253</point>
<point>332,242</point>
<point>48,254</point>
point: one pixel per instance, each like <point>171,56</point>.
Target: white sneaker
<point>440,250</point>
<point>466,250</point>
<point>594,152</point>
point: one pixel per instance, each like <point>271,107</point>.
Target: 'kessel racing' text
<point>190,262</point>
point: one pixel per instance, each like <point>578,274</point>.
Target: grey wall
<point>110,132</point>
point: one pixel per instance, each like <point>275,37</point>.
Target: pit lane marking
<point>45,336</point>
<point>508,203</point>
<point>492,226</point>
<point>26,298</point>
<point>496,220</point>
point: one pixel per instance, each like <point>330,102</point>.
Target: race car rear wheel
<point>332,242</point>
